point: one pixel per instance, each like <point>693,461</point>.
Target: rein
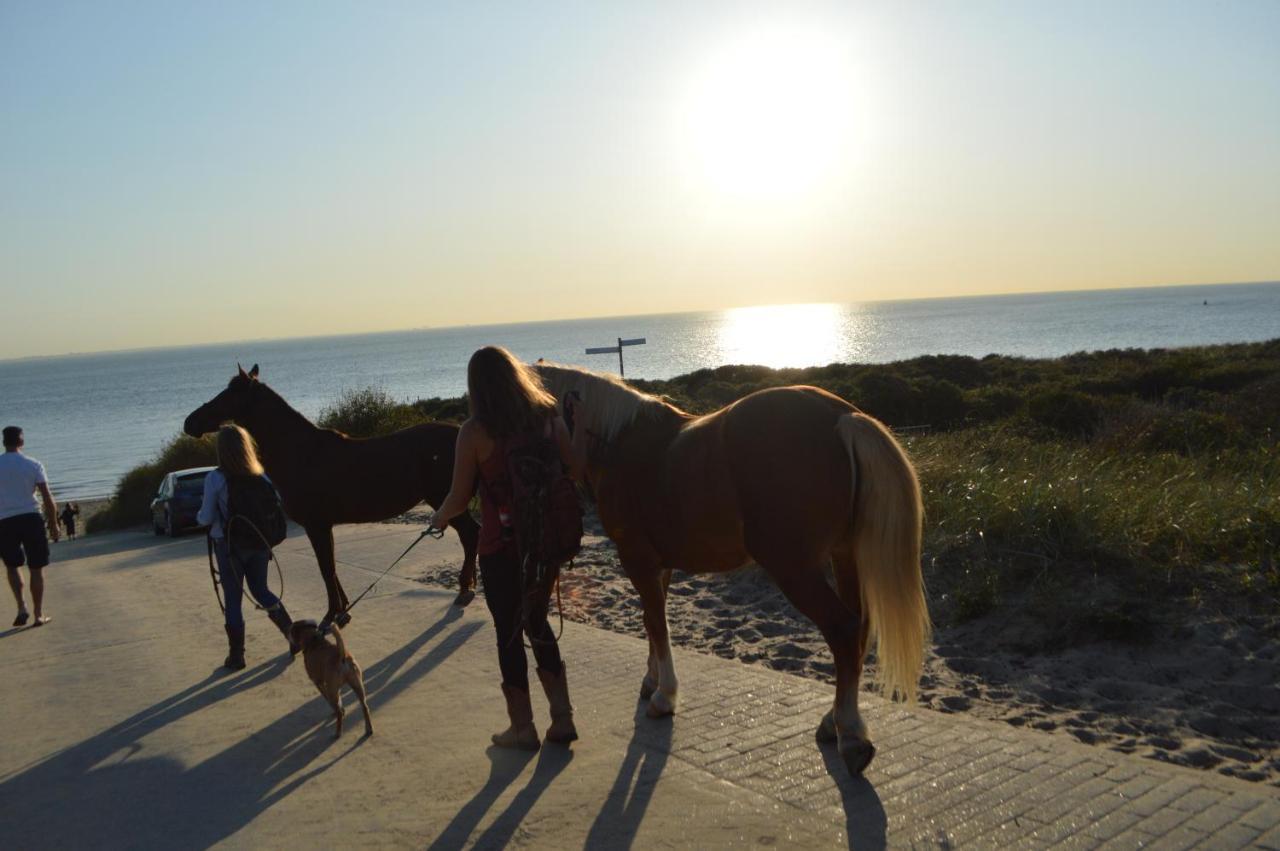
<point>429,531</point>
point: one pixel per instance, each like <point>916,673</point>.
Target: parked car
<point>178,500</point>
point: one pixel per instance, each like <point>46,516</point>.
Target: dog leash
<point>433,532</point>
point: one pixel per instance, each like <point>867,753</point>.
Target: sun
<point>770,114</point>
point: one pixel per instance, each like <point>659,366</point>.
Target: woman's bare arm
<point>463,487</point>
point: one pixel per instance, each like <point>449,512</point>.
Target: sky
<point>177,173</point>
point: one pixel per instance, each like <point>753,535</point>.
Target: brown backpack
<point>544,501</point>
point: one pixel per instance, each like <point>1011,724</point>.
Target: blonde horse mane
<point>609,404</point>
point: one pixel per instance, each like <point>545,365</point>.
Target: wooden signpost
<point>608,350</point>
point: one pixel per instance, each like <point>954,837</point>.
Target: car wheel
<point>169,528</point>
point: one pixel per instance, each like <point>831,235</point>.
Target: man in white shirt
<point>22,530</point>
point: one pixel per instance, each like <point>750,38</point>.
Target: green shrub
<point>368,412</point>
<point>1065,412</point>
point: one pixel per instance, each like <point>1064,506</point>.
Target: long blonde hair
<point>237,453</point>
<point>504,395</point>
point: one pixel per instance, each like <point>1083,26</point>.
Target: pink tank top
<point>495,489</point>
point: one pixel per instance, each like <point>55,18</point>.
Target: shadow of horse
<point>619,819</point>
<point>106,792</point>
<point>864,818</point>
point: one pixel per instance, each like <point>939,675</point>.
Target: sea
<point>91,417</point>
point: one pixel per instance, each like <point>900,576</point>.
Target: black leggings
<point>503,594</point>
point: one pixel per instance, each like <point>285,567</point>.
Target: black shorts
<point>23,541</point>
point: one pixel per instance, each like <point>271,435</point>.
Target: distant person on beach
<point>22,530</point>
<point>238,462</point>
<point>69,513</point>
<point>508,403</point>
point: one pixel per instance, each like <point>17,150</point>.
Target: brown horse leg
<point>321,538</point>
<point>469,534</point>
<point>844,631</point>
<point>650,682</point>
<point>653,597</point>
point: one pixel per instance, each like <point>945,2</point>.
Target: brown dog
<point>329,666</point>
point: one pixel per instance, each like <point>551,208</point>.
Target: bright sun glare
<point>769,115</point>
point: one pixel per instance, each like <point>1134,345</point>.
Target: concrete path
<point>121,732</point>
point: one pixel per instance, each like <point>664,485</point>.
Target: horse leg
<point>321,538</point>
<point>652,589</point>
<point>650,682</point>
<point>469,534</point>
<point>845,632</point>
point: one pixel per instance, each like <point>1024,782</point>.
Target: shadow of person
<point>124,797</point>
<point>864,816</point>
<point>505,765</point>
<point>624,808</point>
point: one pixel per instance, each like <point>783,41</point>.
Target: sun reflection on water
<point>787,335</point>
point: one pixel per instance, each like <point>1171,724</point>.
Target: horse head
<point>232,404</point>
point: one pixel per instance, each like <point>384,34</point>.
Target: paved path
<point>120,732</point>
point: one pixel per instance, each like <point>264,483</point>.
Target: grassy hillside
<point>1072,485</point>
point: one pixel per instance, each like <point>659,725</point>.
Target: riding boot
<point>561,730</point>
<point>235,643</point>
<point>280,617</point>
<point>521,734</point>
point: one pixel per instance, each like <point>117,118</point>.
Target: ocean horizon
<point>90,417</point>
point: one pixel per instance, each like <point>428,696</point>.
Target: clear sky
<point>189,172</point>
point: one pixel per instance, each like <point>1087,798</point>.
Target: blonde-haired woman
<point>237,459</point>
<point>508,402</point>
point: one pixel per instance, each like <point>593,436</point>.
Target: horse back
<point>341,479</point>
<point>765,474</point>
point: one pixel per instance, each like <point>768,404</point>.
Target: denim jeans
<point>235,568</point>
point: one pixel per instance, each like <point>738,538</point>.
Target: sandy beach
<point>1201,694</point>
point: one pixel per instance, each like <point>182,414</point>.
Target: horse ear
<point>253,373</point>
<point>240,369</point>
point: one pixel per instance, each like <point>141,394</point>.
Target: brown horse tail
<point>887,518</point>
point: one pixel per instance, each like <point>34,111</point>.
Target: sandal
<point>42,620</point>
<point>21,619</point>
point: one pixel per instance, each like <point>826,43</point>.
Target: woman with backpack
<point>510,410</point>
<point>232,496</point>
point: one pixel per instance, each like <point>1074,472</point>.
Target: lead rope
<point>429,531</point>
<point>232,562</point>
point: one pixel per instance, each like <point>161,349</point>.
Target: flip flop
<point>21,619</point>
<point>42,620</point>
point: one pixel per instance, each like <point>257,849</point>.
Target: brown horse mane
<point>281,407</point>
<point>610,404</point>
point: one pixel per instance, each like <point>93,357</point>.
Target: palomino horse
<point>326,478</point>
<point>792,478</point>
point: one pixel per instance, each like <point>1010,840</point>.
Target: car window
<point>191,485</point>
<point>166,486</point>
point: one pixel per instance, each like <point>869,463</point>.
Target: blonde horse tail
<point>887,526</point>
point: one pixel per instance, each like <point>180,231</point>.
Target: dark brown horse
<point>792,478</point>
<point>326,478</point>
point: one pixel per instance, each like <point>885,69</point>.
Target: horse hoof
<point>827,728</point>
<point>857,756</point>
<point>342,618</point>
<point>647,689</point>
<point>465,596</point>
<point>660,705</point>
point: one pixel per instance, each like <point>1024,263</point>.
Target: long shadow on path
<point>106,792</point>
<point>864,817</point>
<point>619,819</point>
<point>505,766</point>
